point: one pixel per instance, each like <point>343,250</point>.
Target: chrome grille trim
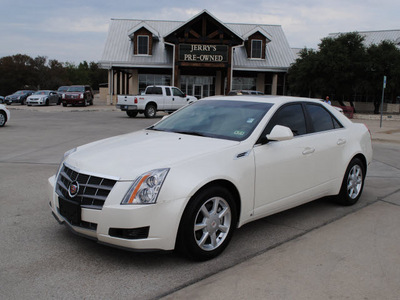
<point>93,189</point>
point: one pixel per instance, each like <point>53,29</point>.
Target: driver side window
<point>291,116</point>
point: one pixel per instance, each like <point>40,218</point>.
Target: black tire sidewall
<point>5,119</point>
<point>131,114</point>
<point>186,241</point>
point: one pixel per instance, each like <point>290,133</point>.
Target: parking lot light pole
<point>383,95</point>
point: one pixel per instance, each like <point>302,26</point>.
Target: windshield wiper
<point>191,133</point>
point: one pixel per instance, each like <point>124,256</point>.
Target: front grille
<point>92,191</point>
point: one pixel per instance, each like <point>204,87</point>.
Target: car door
<point>302,169</point>
<point>179,99</point>
<point>53,97</point>
<point>167,102</point>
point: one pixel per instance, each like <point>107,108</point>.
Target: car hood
<point>127,156</point>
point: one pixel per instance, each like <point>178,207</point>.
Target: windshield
<point>63,88</point>
<point>41,93</point>
<point>76,89</point>
<point>232,120</point>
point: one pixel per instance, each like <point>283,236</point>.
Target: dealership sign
<point>203,53</point>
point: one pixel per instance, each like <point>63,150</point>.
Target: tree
<point>23,72</point>
<point>347,70</point>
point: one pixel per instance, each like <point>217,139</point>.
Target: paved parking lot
<point>41,259</point>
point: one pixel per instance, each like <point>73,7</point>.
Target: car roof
<point>263,98</point>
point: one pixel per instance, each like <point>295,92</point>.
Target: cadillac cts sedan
<point>191,179</point>
<point>43,98</point>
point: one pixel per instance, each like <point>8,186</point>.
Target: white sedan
<point>44,97</point>
<point>191,179</point>
<point>4,115</point>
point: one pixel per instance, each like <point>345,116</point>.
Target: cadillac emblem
<point>73,189</point>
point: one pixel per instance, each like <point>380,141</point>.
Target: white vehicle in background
<point>191,179</point>
<point>43,97</point>
<point>155,98</point>
<point>4,115</point>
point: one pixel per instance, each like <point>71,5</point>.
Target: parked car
<point>244,92</point>
<point>61,90</point>
<point>78,95</point>
<point>4,115</point>
<point>191,179</point>
<point>43,97</point>
<point>18,97</point>
<point>1,99</point>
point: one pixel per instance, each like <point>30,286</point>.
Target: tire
<point>64,104</point>
<point>204,235</point>
<point>3,118</point>
<point>23,101</point>
<point>353,183</point>
<point>131,113</point>
<point>150,111</point>
<point>47,102</point>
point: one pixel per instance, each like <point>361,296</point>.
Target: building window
<point>152,79</point>
<point>244,83</point>
<point>143,45</point>
<point>256,49</point>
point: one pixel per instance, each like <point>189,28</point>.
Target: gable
<point>206,29</point>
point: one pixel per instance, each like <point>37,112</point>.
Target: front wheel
<point>207,224</point>
<point>353,183</point>
<point>150,111</point>
<point>3,118</point>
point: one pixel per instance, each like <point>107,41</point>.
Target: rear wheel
<point>131,113</point>
<point>353,183</point>
<point>150,111</point>
<point>207,224</point>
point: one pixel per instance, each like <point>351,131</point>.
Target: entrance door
<point>198,91</point>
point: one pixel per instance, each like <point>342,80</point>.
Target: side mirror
<point>280,133</point>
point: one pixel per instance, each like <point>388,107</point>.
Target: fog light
<point>130,233</point>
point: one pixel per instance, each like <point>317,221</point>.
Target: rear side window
<point>167,92</point>
<point>321,119</point>
<point>154,90</point>
<point>291,116</point>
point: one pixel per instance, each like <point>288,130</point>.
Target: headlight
<point>146,187</point>
<point>81,96</point>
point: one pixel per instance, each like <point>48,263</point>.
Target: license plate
<point>71,211</point>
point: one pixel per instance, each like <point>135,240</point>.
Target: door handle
<point>341,142</point>
<point>308,150</point>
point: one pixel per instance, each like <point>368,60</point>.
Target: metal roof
<point>118,49</point>
<point>376,37</point>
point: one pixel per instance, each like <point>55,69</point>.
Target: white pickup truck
<point>155,98</point>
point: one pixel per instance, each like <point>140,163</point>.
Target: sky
<point>75,31</point>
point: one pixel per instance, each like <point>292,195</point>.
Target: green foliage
<point>23,72</point>
<point>345,69</point>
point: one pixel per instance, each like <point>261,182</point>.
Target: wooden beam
<point>213,34</point>
<point>194,33</point>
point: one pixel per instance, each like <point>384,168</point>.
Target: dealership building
<point>202,56</point>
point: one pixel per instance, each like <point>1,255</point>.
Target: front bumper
<point>35,102</point>
<point>73,101</point>
<point>11,101</point>
<point>131,227</point>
